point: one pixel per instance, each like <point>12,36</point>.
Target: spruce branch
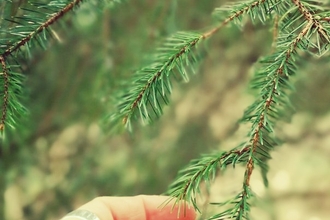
<point>30,27</point>
<point>33,27</point>
<point>302,13</point>
<point>151,85</point>
<point>187,185</point>
<point>274,76</point>
<point>312,11</point>
<point>300,25</point>
<point>310,15</point>
<point>264,113</point>
<point>36,26</point>
<point>272,104</point>
<point>269,108</point>
<point>11,88</point>
<point>261,10</point>
<point>241,206</point>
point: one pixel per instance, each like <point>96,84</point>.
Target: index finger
<point>137,208</point>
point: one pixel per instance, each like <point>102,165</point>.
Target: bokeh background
<point>60,157</point>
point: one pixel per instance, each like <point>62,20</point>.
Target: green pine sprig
<point>260,10</point>
<point>19,35</point>
<point>187,185</point>
<point>302,29</point>
<point>303,26</point>
<point>241,206</point>
<point>150,86</point>
<point>34,25</point>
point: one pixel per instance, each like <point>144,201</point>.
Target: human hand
<point>134,208</point>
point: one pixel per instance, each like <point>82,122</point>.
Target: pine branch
<point>272,104</point>
<point>204,169</point>
<point>261,10</point>
<point>29,28</point>
<point>302,25</point>
<point>241,207</point>
<point>11,89</point>
<point>310,10</point>
<point>151,85</point>
<point>33,27</point>
<point>268,109</point>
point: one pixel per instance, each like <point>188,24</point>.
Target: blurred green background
<point>61,158</point>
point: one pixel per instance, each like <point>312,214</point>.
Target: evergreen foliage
<point>299,27</point>
<point>18,36</point>
<point>151,85</point>
<point>303,26</point>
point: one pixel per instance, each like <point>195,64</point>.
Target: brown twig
<point>5,76</point>
<point>257,132</point>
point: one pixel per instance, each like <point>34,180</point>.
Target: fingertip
<point>141,207</point>
<point>168,208</point>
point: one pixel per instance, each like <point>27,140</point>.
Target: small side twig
<point>232,17</point>
<point>5,77</point>
<point>309,16</point>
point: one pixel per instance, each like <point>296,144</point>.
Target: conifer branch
<point>11,89</point>
<point>272,91</point>
<point>309,16</point>
<point>320,22</point>
<point>264,120</point>
<point>241,206</point>
<point>273,82</point>
<point>53,18</point>
<point>27,29</point>
<point>186,186</point>
<point>261,10</point>
<point>236,14</point>
<point>264,117</point>
<point>152,84</point>
<point>298,26</point>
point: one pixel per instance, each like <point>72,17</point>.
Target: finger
<point>137,208</point>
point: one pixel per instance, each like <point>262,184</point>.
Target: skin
<point>137,208</point>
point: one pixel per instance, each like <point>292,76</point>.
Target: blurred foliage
<point>60,157</point>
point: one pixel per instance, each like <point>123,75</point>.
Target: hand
<point>136,208</point>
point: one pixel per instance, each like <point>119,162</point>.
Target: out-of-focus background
<point>61,157</point>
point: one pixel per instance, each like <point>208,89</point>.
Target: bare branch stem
<point>5,76</point>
